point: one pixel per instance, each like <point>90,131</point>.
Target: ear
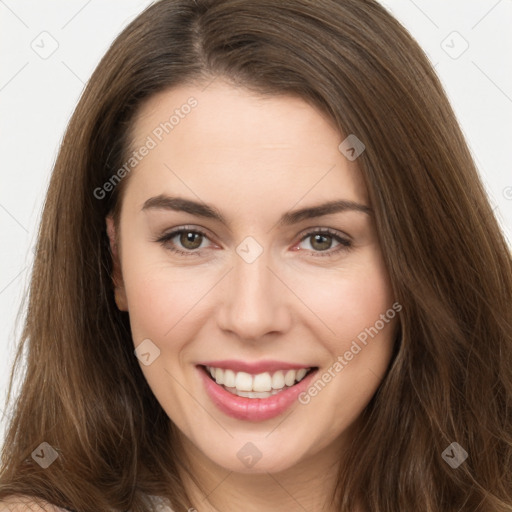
<point>117,276</point>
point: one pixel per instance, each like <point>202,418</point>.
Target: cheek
<point>355,306</point>
<point>358,307</point>
<point>348,299</point>
<point>163,304</point>
<point>160,302</point>
<point>160,294</point>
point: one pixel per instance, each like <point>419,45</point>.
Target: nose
<point>254,301</point>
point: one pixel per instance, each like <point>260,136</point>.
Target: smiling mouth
<point>262,385</point>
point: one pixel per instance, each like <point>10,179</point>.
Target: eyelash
<point>344,244</point>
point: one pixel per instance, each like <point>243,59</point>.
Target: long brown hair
<point>450,379</point>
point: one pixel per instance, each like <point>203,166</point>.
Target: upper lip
<point>254,367</point>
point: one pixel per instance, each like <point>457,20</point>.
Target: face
<point>226,261</point>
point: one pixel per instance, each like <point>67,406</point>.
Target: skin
<point>253,158</point>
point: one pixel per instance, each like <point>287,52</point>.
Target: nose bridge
<point>251,279</point>
<point>254,304</point>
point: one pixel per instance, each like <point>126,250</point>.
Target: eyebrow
<point>180,204</point>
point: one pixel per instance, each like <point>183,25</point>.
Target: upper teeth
<point>243,381</point>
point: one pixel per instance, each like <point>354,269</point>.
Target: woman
<point>267,278</point>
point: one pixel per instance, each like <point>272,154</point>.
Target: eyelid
<point>330,231</point>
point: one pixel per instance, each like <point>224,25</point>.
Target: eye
<point>321,240</point>
<point>189,239</point>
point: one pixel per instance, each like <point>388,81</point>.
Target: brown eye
<point>325,242</point>
<point>190,240</point>
<point>321,242</point>
<point>184,241</point>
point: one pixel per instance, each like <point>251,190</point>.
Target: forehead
<point>225,141</point>
<point>266,117</point>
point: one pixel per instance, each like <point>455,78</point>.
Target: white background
<point>38,96</point>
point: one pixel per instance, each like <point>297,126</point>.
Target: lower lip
<point>253,409</point>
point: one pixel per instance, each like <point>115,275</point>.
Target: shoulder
<point>27,504</point>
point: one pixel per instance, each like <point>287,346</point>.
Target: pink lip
<point>253,409</point>
<point>254,368</point>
